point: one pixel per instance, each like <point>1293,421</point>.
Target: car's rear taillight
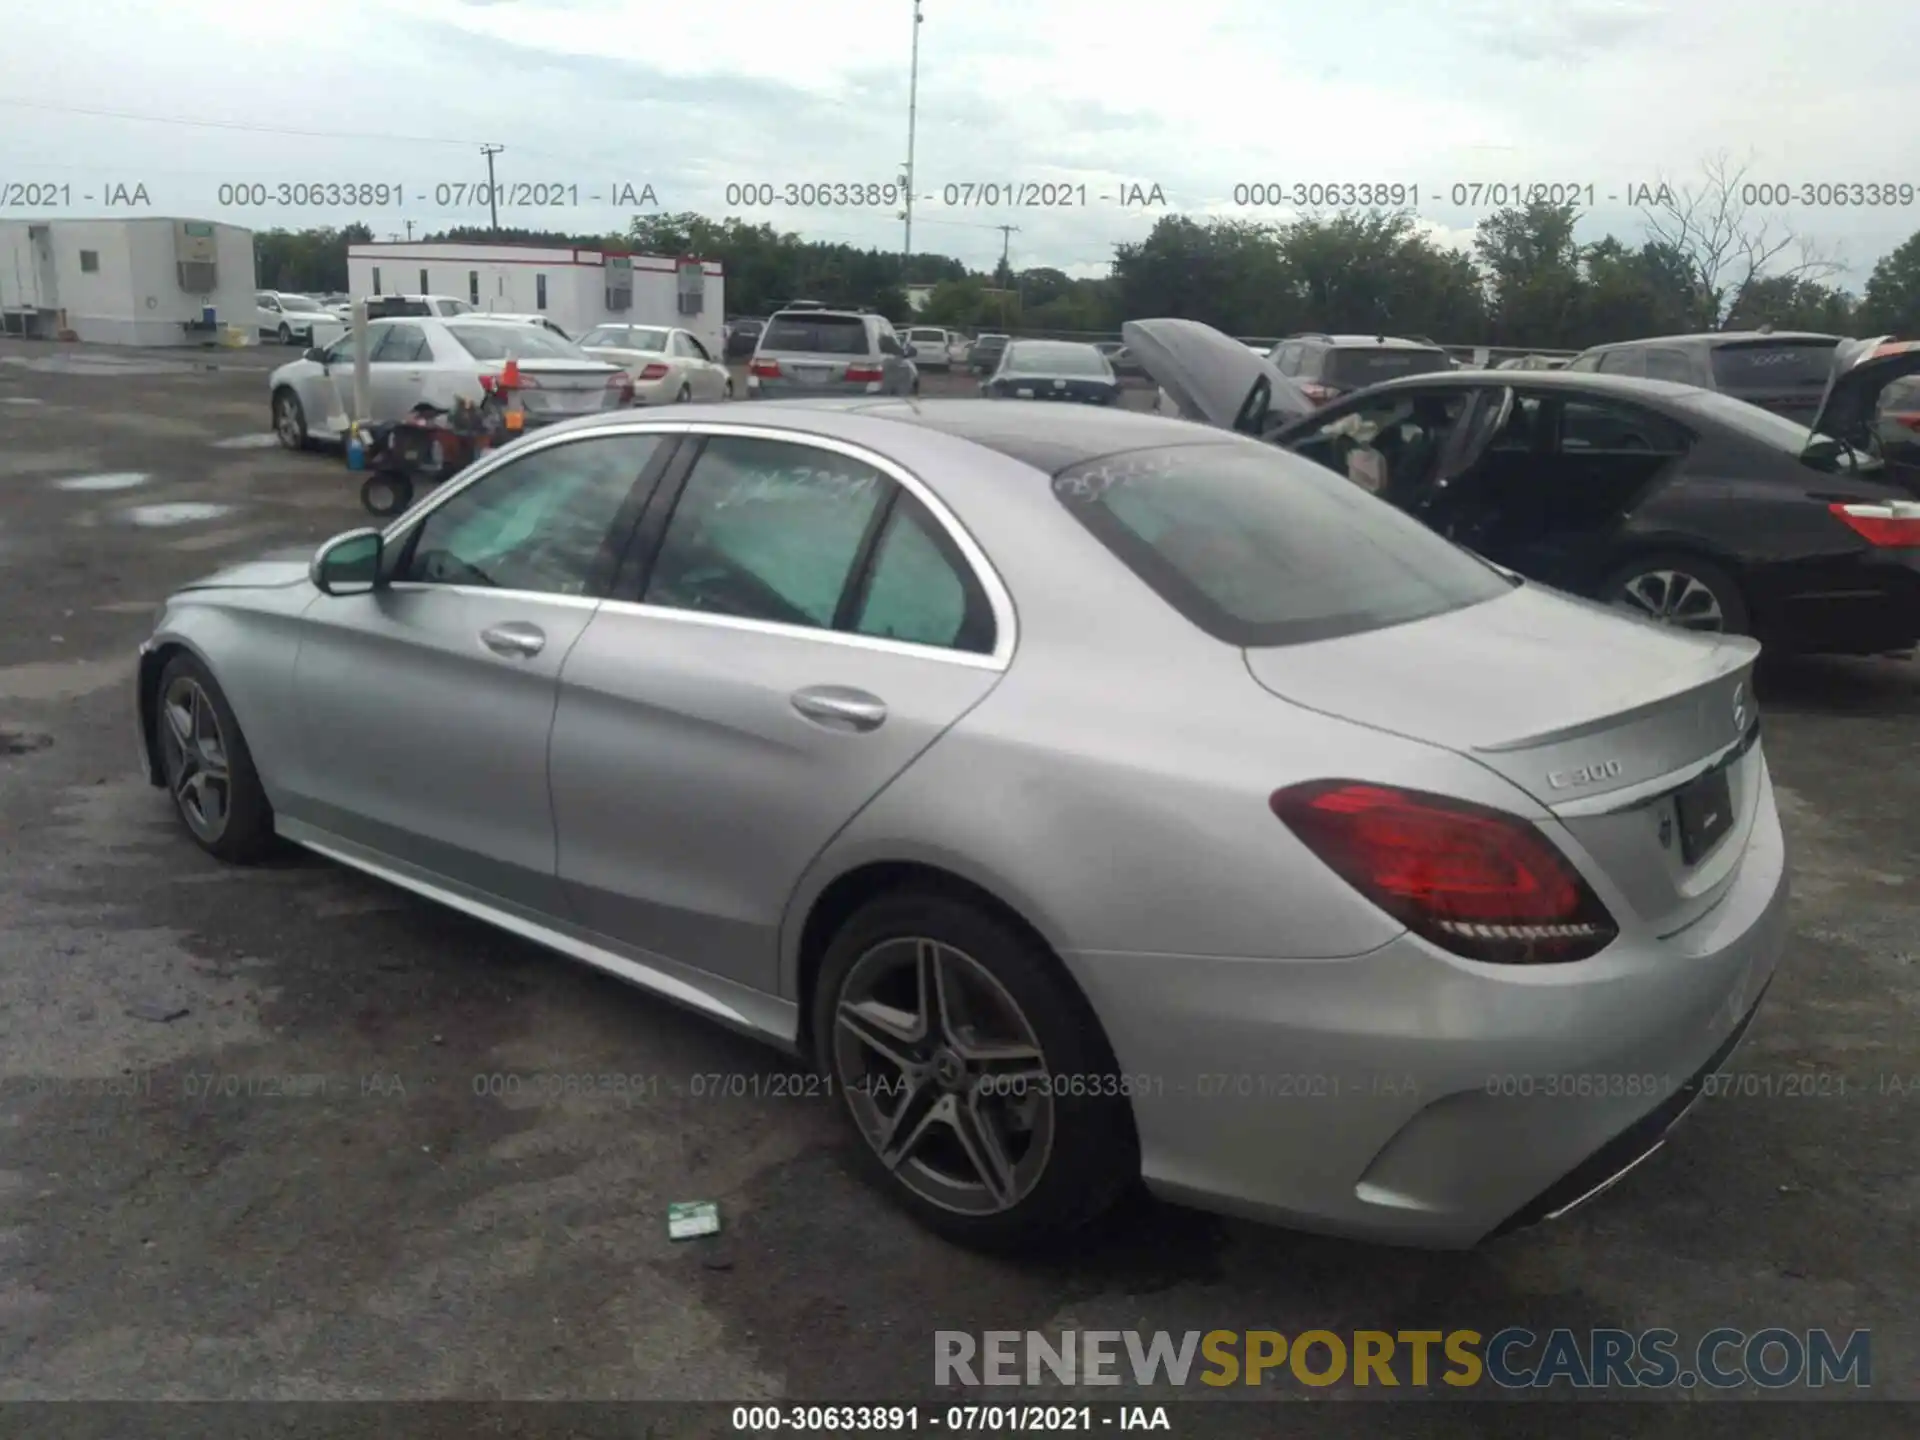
<point>1471,879</point>
<point>1319,394</point>
<point>765,369</point>
<point>861,374</point>
<point>1910,419</point>
<point>658,371</point>
<point>621,384</point>
<point>1894,525</point>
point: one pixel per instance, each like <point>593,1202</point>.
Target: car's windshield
<point>1041,358</point>
<point>1774,365</point>
<point>816,334</point>
<point>456,307</point>
<point>514,342</point>
<point>298,302</point>
<point>1260,547</point>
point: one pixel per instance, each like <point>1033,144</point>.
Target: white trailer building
<point>576,289</point>
<point>145,281</point>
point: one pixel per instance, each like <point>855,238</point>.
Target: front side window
<point>1623,362</point>
<point>542,523</point>
<point>1258,548</point>
<point>766,530</point>
<point>920,589</point>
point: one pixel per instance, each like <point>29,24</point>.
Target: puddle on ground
<point>21,400</point>
<point>97,365</point>
<point>186,512</point>
<point>265,441</point>
<point>117,480</point>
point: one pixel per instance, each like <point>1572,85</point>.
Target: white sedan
<point>667,365</point>
<point>288,318</point>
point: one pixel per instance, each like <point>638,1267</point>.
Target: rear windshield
<point>932,337</point>
<point>1044,359</point>
<point>513,342</point>
<point>626,337</point>
<point>1358,365</point>
<point>1258,547</point>
<point>1766,365</point>
<point>386,309</point>
<point>816,334</point>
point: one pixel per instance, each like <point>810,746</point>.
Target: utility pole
<point>913,115</point>
<point>409,230</point>
<point>493,193</point>
<point>1007,232</point>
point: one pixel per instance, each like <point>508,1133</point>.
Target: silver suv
<point>830,352</point>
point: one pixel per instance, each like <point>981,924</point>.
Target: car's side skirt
<point>765,1017</point>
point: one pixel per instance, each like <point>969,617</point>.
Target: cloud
<point>586,94</point>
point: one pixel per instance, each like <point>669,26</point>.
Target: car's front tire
<point>289,419</point>
<point>973,1072</point>
<point>284,334</point>
<point>207,766</point>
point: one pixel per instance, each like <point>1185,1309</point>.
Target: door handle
<point>515,638</point>
<point>838,707</point>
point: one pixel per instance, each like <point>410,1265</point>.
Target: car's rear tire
<point>686,394</point>
<point>1686,591</point>
<point>289,419</point>
<point>727,394</point>
<point>207,766</point>
<point>1018,1130</point>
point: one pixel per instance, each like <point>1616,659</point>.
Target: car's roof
<point>1719,337</point>
<point>1047,437</point>
<point>1381,342</point>
<point>1625,386</point>
<point>816,311</point>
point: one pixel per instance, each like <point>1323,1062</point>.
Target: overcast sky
<point>1195,98</point>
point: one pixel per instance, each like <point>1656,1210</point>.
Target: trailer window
<point>89,261</point>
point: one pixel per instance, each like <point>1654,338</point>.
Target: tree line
<point>1704,261</point>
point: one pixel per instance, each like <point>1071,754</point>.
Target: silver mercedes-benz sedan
<point>1094,796</point>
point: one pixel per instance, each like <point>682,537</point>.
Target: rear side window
<point>1799,365</point>
<point>1357,365</point>
<point>1669,364</point>
<point>817,334</point>
<point>1258,547</point>
<point>920,589</point>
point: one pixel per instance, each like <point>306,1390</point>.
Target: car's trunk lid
<point>566,387</point>
<point>1621,729</point>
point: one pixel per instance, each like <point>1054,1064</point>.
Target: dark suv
<point>1326,367</point>
<point>1782,371</point>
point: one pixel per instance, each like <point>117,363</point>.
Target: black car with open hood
<point>1669,501</point>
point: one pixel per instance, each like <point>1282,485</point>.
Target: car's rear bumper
<point>764,389</point>
<point>1413,1097</point>
<point>1866,604</point>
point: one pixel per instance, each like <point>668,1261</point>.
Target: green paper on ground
<point>692,1218</point>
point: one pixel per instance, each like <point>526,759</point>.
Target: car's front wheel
<point>289,419</point>
<point>284,334</point>
<point>973,1071</point>
<point>1679,590</point>
<point>207,766</point>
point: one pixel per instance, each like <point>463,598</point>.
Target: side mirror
<point>315,354</point>
<point>347,564</point>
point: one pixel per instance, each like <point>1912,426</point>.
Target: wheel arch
<point>847,892</point>
<point>153,664</point>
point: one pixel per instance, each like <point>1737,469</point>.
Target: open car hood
<point>1212,377</point>
<point>1862,369</point>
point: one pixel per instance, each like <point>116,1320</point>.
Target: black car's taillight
<point>1474,880</point>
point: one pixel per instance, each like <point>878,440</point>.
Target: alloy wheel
<point>944,1075</point>
<point>194,754</point>
<point>1673,597</point>
<point>287,423</point>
